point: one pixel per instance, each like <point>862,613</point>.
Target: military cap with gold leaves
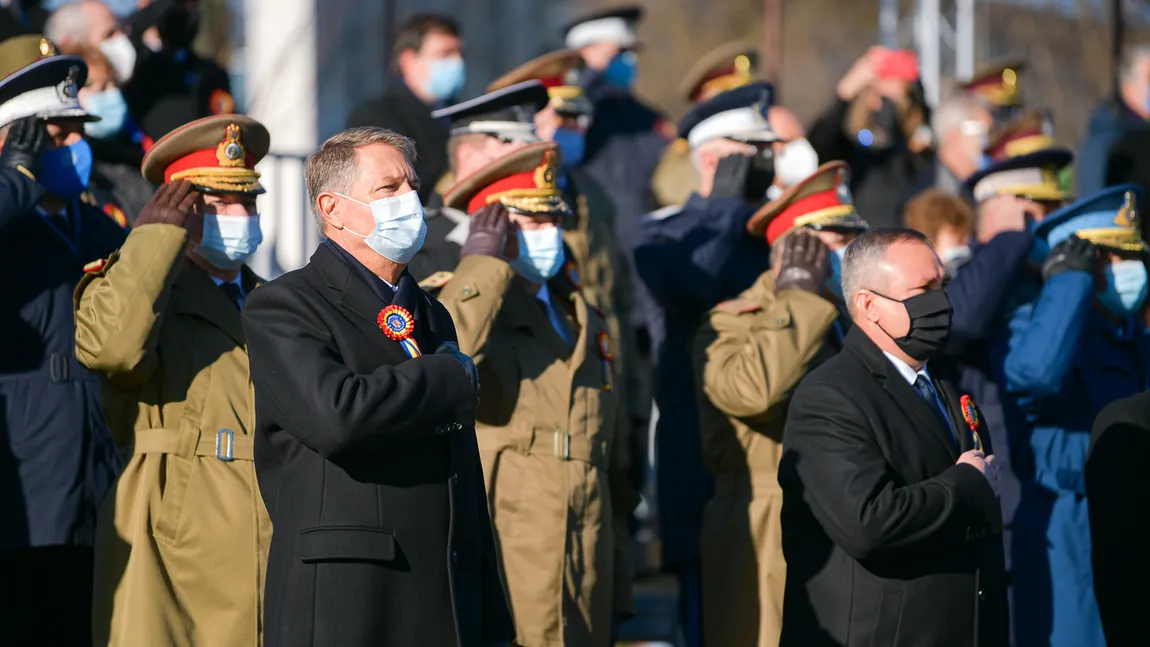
<point>1108,218</point>
<point>726,67</point>
<point>217,154</point>
<point>822,201</point>
<point>997,83</point>
<point>558,71</point>
<point>36,81</point>
<point>1024,160</point>
<point>524,181</point>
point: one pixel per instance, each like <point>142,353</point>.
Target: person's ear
<point>408,59</point>
<point>327,204</point>
<point>866,303</point>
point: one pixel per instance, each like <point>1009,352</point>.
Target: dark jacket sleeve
<point>826,134</point>
<point>1105,129</point>
<point>297,370</point>
<point>855,496</point>
<point>19,194</point>
<point>976,293</point>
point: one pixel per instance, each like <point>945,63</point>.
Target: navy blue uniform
<point>57,458</point>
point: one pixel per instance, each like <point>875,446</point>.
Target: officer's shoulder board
<point>95,266</point>
<point>436,281</point>
<point>741,305</point>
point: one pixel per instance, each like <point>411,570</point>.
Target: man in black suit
<point>1118,489</point>
<point>365,446</point>
<point>891,525</point>
<point>427,60</point>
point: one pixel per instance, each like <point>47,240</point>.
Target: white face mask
<point>540,254</point>
<point>399,226</point>
<point>122,55</point>
<point>229,241</point>
<point>796,162</point>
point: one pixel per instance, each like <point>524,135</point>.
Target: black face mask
<point>929,314</point>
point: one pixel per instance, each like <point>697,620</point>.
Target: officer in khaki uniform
<point>726,67</point>
<point>589,230</point>
<point>749,355</point>
<point>553,446</point>
<point>183,538</point>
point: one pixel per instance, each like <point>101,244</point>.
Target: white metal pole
<point>964,40</point>
<point>927,36</point>
<point>888,22</point>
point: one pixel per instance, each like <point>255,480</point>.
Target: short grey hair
<point>954,110</point>
<point>68,24</point>
<point>333,166</point>
<point>865,252</point>
<point>1130,57</point>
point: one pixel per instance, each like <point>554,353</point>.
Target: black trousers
<point>46,597</point>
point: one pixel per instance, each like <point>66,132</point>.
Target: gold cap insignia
<point>1127,215</point>
<point>47,48</point>
<point>230,152</point>
<point>546,174</point>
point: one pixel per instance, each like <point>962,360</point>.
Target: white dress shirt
<point>911,375</point>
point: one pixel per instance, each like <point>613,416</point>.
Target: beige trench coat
<point>750,355</point>
<point>554,455</point>
<point>183,537</point>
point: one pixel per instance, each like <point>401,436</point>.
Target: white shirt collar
<point>904,369</point>
<point>394,288</point>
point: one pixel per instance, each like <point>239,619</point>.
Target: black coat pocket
<point>344,544</point>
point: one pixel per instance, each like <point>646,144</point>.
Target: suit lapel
<point>904,395</point>
<point>953,403</point>
<point>195,293</point>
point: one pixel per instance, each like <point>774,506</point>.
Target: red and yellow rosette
<point>973,420</point>
<point>397,323</point>
<point>607,355</point>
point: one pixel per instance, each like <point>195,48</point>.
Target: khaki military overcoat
<point>183,537</point>
<point>590,235</point>
<point>675,177</point>
<point>554,454</point>
<point>750,355</point>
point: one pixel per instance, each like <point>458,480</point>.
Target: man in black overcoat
<point>365,444</point>
<point>891,523</point>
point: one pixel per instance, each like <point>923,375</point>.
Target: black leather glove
<point>452,349</point>
<point>731,176</point>
<point>22,147</point>
<point>1072,254</point>
<point>490,227</point>
<point>804,263</point>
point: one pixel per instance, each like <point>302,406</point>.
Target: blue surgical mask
<point>446,77</point>
<point>66,171</point>
<point>1126,288</point>
<point>229,241</point>
<point>620,72</point>
<point>540,254</point>
<point>399,226</point>
<point>110,106</point>
<point>834,282</point>
<point>573,144</point>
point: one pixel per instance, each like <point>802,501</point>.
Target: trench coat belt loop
<point>191,442</point>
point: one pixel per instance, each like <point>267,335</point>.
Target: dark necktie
<point>233,292</point>
<point>61,222</point>
<point>925,388</point>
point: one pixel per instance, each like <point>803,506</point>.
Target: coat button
<point>439,429</point>
<point>458,426</point>
<point>981,595</point>
<point>455,555</point>
<point>455,479</point>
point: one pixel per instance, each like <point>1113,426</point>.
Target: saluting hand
<point>171,205</point>
<point>1072,254</point>
<point>803,263</point>
<point>490,229</point>
<point>22,146</point>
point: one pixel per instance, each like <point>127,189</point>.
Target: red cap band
<point>785,220</point>
<point>204,158</point>
<point>518,181</point>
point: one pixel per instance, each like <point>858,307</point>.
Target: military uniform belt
<point>546,441</point>
<point>224,445</point>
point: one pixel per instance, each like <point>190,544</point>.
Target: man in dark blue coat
<point>626,139</point>
<point>691,260</point>
<point>57,458</point>
<point>1115,118</point>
